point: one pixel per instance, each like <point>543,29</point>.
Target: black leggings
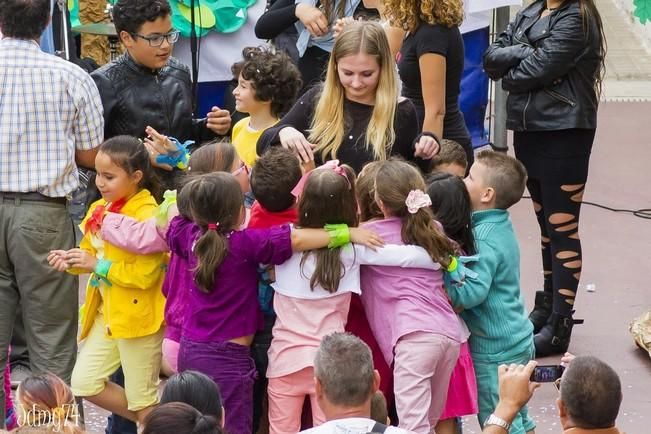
<point>557,165</point>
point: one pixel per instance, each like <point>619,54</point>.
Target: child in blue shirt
<point>491,303</point>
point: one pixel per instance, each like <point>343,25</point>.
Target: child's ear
<point>126,38</point>
<point>137,176</point>
<point>488,196</point>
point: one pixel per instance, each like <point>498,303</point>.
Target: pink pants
<point>286,397</point>
<point>171,354</point>
<point>423,364</point>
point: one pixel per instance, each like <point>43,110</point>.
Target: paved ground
<point>628,59</point>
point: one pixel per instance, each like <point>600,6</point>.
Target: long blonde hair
<point>329,122</point>
<point>408,14</point>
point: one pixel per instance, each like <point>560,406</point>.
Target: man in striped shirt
<point>50,122</point>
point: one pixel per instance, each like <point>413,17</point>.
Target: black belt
<point>30,197</point>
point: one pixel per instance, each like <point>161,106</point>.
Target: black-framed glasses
<point>157,40</point>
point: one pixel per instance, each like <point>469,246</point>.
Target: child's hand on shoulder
<point>366,238</point>
<point>57,260</point>
<point>81,259</point>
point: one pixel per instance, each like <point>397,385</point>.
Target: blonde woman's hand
<point>312,18</point>
<point>340,24</point>
<point>295,141</point>
<point>426,147</point>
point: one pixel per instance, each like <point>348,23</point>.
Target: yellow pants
<point>101,356</point>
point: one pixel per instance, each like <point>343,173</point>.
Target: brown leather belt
<point>30,197</point>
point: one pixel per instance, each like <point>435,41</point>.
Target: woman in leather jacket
<point>550,59</point>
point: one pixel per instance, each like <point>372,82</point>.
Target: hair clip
<point>213,226</point>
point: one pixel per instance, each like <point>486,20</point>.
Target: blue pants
<point>488,390</point>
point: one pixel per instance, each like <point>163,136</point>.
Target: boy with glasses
<point>146,86</point>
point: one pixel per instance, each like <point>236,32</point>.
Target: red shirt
<point>262,219</point>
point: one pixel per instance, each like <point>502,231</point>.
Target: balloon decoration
<point>642,10</point>
<point>221,16</point>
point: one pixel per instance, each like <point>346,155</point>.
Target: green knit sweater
<point>492,304</point>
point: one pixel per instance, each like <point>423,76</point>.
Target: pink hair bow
<point>416,200</point>
<point>328,165</point>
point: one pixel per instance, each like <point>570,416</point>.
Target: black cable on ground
<point>644,213</point>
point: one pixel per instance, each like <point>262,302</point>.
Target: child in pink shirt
<point>409,311</point>
<point>313,292</point>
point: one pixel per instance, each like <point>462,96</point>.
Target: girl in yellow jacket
<point>123,320</point>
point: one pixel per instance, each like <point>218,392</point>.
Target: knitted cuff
<point>102,267</point>
<point>339,235</point>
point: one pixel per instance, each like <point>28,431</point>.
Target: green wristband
<point>163,209</point>
<point>102,267</point>
<point>454,264</point>
<point>339,235</point>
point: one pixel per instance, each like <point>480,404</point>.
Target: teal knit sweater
<point>492,305</point>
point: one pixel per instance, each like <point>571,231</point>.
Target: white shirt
<point>351,425</point>
<point>293,283</point>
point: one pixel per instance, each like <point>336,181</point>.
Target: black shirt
<point>353,150</point>
<point>447,42</point>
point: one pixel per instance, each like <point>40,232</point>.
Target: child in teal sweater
<point>491,303</point>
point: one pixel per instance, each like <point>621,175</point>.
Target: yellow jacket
<point>133,301</point>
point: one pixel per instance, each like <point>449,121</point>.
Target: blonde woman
<point>356,116</point>
<point>430,63</point>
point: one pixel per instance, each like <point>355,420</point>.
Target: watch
<point>498,421</point>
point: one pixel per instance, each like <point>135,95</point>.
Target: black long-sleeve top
<point>353,150</point>
<point>279,16</point>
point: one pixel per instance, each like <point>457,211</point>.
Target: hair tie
<point>328,165</point>
<point>213,226</point>
<point>416,200</point>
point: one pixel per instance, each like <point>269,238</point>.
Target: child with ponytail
<point>313,292</point>
<point>408,310</point>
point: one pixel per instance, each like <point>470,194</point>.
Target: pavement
<point>628,56</point>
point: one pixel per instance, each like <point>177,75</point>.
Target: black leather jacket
<point>551,79</point>
<point>134,97</point>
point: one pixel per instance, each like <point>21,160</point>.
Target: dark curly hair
<point>272,74</point>
<point>24,19</point>
<point>130,15</point>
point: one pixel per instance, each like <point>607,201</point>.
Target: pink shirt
<point>400,301</point>
<point>304,315</point>
<point>300,326</point>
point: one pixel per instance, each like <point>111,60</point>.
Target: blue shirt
<point>493,305</point>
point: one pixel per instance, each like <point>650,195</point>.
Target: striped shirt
<point>49,108</point>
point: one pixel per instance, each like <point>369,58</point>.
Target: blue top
<point>493,306</point>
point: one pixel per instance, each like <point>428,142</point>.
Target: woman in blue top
<point>309,23</point>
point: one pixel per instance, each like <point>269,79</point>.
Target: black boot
<point>554,337</point>
<point>542,309</point>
